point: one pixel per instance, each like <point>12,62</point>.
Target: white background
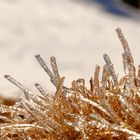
<point>76,32</point>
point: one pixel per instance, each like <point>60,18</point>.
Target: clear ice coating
<point>109,110</point>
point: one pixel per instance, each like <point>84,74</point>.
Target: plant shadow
<point>111,6</point>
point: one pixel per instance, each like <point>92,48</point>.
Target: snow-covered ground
<point>76,32</point>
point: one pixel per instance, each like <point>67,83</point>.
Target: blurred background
<point>76,32</point>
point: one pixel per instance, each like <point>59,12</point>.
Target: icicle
<point>127,53</point>
<point>54,68</point>
<point>20,86</point>
<point>110,69</point>
<point>46,69</point>
<point>96,79</point>
<point>40,89</point>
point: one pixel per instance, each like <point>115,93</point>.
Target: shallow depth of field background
<point>76,32</point>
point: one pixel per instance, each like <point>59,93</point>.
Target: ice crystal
<point>110,109</point>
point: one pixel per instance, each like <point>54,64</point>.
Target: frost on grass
<point>110,109</point>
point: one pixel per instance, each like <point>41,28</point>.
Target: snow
<point>76,32</point>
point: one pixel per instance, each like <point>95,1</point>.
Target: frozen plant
<point>109,110</point>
